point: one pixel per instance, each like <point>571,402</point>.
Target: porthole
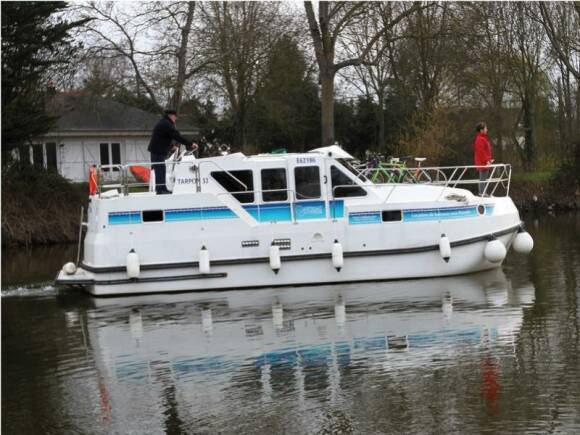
<point>481,209</point>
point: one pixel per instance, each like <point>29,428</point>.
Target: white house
<point>92,130</point>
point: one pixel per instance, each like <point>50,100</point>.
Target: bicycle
<point>395,171</point>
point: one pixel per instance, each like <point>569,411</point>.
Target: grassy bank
<point>40,207</point>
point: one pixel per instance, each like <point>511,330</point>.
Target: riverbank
<point>40,207</point>
<point>540,193</point>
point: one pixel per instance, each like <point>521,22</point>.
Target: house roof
<point>87,113</point>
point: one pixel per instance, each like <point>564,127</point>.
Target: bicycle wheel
<point>381,177</point>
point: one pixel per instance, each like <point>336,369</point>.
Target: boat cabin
<point>268,184</point>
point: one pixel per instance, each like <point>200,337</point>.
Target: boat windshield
<point>352,169</point>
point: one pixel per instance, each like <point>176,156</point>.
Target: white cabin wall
<point>71,159</point>
<point>136,150</point>
<point>75,155</point>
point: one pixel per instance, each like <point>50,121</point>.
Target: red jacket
<point>481,151</point>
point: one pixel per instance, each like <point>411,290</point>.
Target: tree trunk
<point>497,118</point>
<point>530,134</point>
<point>239,130</point>
<point>327,82</point>
<point>381,121</point>
<point>177,97</point>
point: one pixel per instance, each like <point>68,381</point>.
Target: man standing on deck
<point>164,133</point>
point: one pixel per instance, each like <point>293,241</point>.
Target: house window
<point>343,186</point>
<point>274,179</point>
<point>237,181</point>
<point>37,155</point>
<point>41,155</point>
<point>110,155</point>
<point>50,155</point>
<point>307,180</point>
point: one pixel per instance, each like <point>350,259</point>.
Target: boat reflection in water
<point>206,355</point>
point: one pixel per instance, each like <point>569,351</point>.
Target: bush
<point>39,206</point>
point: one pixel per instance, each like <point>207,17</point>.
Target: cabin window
<point>391,215</point>
<point>152,215</point>
<point>237,182</point>
<point>274,179</point>
<point>110,155</point>
<point>307,179</point>
<point>343,186</point>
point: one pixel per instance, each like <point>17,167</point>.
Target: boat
<point>236,221</point>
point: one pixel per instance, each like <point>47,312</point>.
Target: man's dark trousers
<point>159,169</point>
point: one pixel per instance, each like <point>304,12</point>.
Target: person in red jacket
<point>482,154</point>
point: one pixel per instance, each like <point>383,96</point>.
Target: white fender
<point>445,248</point>
<point>275,262</point>
<point>494,251</point>
<point>204,263</point>
<point>133,265</point>
<point>69,268</point>
<point>337,256</point>
<point>523,243</point>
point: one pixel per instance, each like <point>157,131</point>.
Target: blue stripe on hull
<point>303,210</point>
<point>365,217</point>
<point>124,218</point>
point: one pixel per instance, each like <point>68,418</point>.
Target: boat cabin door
<point>309,178</point>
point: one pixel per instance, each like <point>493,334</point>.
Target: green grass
<point>537,176</point>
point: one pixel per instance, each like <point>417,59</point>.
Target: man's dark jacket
<point>164,133</point>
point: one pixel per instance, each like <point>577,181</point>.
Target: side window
<point>237,181</point>
<point>307,182</point>
<point>343,186</point>
<point>274,179</point>
<point>152,215</point>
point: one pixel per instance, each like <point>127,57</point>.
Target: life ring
<point>141,173</point>
<point>93,181</point>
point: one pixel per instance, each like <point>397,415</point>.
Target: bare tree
<point>161,68</point>
<point>527,61</point>
<point>373,79</point>
<point>561,21</point>
<point>241,36</point>
<point>326,30</point>
<point>485,36</point>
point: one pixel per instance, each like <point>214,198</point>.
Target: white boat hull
<point>464,259</point>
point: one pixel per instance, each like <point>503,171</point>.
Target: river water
<point>494,352</point>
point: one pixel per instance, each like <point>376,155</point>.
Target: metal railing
<point>119,176</point>
<point>497,184</point>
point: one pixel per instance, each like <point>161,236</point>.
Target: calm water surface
<point>495,352</point>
